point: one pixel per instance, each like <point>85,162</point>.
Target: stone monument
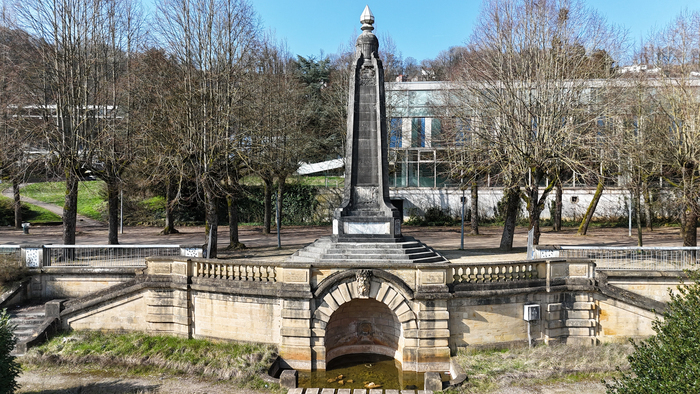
<point>367,227</point>
<point>366,220</point>
<point>373,290</point>
<point>366,212</point>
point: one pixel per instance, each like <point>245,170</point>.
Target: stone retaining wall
<point>417,313</point>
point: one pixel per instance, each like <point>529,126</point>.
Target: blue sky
<point>421,29</point>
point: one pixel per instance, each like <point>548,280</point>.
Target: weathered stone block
<point>437,333</point>
<point>331,302</point>
<point>434,315</point>
<point>288,380</point>
<point>580,323</point>
<point>295,304</point>
<point>433,343</point>
<point>402,308</point>
<point>343,287</point>
<point>296,314</point>
<point>434,324</point>
<point>295,332</point>
<point>584,305</point>
<point>432,381</point>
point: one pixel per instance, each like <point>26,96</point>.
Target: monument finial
<point>367,19</point>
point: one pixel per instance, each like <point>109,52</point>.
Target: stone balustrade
<point>497,272</point>
<point>235,271</point>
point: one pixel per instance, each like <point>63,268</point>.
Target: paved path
<point>445,240</point>
<point>82,220</point>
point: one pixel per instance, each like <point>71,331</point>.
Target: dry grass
<point>139,354</point>
<point>491,370</point>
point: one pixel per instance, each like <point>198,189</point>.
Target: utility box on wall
<point>531,312</point>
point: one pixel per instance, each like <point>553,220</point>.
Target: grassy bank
<point>494,370</point>
<point>90,198</point>
<point>139,354</point>
<point>30,213</point>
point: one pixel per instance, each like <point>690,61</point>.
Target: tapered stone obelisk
<point>366,213</point>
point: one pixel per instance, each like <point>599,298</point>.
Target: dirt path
<point>48,381</point>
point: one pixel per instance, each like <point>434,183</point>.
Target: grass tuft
<point>490,370</point>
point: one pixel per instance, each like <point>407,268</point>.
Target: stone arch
<point>388,299</point>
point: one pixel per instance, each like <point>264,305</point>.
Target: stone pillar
<point>169,310</point>
<point>295,329</point>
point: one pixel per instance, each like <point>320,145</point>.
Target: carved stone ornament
<point>367,76</point>
<point>363,278</point>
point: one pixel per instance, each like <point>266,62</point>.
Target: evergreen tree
<point>9,368</point>
<point>668,362</point>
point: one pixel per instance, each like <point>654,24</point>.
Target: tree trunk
<point>636,196</point>
<point>113,211</point>
<point>690,227</point>
<point>70,208</point>
<point>169,227</point>
<point>583,227</point>
<point>17,204</point>
<point>649,209</point>
<point>475,207</point>
<point>280,198</point>
<point>556,220</point>
<point>267,184</point>
<point>512,196</point>
<point>233,240</point>
<point>212,225</point>
<point>534,211</point>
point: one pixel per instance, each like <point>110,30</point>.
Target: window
<point>395,134</point>
<point>418,133</point>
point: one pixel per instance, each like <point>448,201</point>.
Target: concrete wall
<point>613,202</point>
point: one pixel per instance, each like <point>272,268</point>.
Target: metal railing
<point>11,251</point>
<point>636,258</point>
<point>104,255</point>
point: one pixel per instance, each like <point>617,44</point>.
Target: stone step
<point>355,256</point>
<point>354,391</point>
<point>338,250</point>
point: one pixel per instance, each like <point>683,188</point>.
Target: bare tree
<point>278,125</point>
<point>527,78</point>
<point>18,55</point>
<point>72,36</point>
<point>674,51</point>
<point>212,41</point>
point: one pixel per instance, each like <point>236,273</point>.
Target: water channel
<point>358,371</point>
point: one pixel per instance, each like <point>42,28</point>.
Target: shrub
<point>668,362</point>
<point>9,368</point>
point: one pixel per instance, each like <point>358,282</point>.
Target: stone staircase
<point>404,251</point>
<point>30,323</point>
<point>355,391</point>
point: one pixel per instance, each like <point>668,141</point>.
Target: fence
<point>13,252</point>
<point>95,255</point>
<point>631,258</point>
